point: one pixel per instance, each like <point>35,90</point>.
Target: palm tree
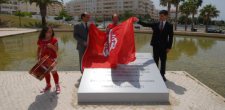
<point>198,3</point>
<point>204,17</point>
<point>187,8</point>
<point>43,6</point>
<point>210,12</point>
<point>1,2</point>
<point>176,4</point>
<point>168,4</point>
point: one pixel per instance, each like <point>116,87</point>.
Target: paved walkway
<point>20,91</point>
<point>15,31</point>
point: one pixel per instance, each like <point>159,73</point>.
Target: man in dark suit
<point>162,39</point>
<point>81,34</point>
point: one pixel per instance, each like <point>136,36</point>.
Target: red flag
<point>105,51</point>
<point>112,26</point>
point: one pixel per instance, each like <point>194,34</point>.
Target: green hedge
<point>23,14</point>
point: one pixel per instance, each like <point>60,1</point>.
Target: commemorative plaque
<point>139,81</point>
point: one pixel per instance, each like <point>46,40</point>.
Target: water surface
<point>201,57</point>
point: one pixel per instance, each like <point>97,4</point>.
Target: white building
<point>105,8</point>
<point>15,5</point>
<point>173,14</point>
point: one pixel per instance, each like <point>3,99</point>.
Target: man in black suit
<point>162,39</point>
<point>81,34</point>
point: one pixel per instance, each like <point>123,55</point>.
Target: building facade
<point>64,7</point>
<point>104,9</point>
<point>54,9</point>
<point>15,5</point>
<point>156,17</point>
<point>173,14</point>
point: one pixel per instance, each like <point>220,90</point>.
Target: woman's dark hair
<point>163,12</point>
<point>43,31</point>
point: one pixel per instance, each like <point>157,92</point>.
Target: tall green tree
<point>198,3</point>
<point>185,9</point>
<point>210,12</point>
<point>148,17</point>
<point>79,20</point>
<point>43,6</point>
<point>1,2</point>
<point>68,18</point>
<point>195,20</point>
<point>200,20</point>
<point>168,4</point>
<point>141,18</point>
<point>176,4</point>
<point>127,14</point>
<point>63,13</point>
<point>181,19</point>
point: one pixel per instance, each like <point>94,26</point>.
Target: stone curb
<point>150,32</point>
<point>212,91</point>
<point>18,33</point>
<point>202,34</point>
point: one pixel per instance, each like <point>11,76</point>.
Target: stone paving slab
<point>21,91</point>
<point>4,33</point>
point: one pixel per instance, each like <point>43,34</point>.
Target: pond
<point>201,57</point>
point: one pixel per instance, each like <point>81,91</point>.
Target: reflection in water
<point>174,53</point>
<point>206,43</point>
<point>142,43</point>
<point>18,53</point>
<point>191,54</point>
<point>16,49</point>
<point>64,39</point>
<point>187,47</point>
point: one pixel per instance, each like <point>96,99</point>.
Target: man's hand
<point>85,43</point>
<point>167,50</point>
<point>107,30</point>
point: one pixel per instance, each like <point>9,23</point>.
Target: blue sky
<point>220,5</point>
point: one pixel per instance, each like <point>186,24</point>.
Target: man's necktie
<point>161,27</point>
<point>86,27</point>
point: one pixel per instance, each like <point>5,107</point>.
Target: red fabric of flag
<point>105,51</point>
<point>112,26</point>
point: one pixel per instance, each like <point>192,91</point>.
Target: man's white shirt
<point>164,22</point>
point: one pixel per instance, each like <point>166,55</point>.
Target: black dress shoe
<point>164,78</point>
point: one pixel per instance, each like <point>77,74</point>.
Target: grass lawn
<point>13,22</point>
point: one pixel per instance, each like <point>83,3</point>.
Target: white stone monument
<point>139,81</point>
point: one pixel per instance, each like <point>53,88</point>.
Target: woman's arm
<point>53,47</point>
<point>38,52</point>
